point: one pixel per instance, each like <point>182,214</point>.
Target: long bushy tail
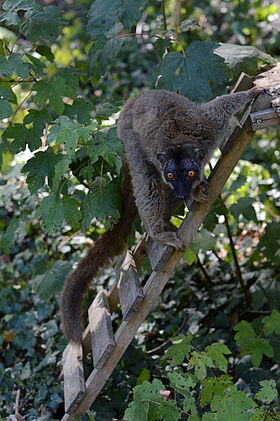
<point>112,243</point>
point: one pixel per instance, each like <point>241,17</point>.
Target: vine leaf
<point>180,349</point>
<point>102,203</point>
<point>48,284</point>
<point>194,73</point>
<point>268,391</point>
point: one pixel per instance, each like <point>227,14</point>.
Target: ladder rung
<point>100,324</point>
<point>73,372</point>
<point>130,291</point>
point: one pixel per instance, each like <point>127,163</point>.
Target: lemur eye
<point>191,173</point>
<point>170,175</point>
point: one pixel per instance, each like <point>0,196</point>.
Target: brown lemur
<point>167,139</point>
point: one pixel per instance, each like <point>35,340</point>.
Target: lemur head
<point>182,169</point>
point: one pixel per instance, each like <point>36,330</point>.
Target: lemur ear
<point>200,153</point>
<point>162,157</point>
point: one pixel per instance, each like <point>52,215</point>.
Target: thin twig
<point>235,258</point>
<point>164,15</point>
<point>203,270</point>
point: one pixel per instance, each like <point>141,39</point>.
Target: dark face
<point>182,175</point>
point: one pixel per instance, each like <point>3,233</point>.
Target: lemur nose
<point>181,197</point>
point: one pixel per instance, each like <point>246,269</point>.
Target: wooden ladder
<point>135,300</point>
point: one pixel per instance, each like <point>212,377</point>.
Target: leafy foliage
<point>66,69</point>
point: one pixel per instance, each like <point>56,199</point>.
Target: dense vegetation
<point>66,68</point>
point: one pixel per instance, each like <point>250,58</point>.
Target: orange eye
<point>170,175</point>
<point>191,173</point>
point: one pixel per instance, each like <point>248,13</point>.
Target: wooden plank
<point>156,251</point>
<point>73,372</point>
<point>264,119</point>
<point>130,291</point>
<point>158,280</point>
<point>101,331</point>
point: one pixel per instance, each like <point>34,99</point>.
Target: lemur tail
<point>112,243</point>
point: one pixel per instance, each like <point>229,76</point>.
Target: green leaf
<point>214,387</point>
<point>189,256</point>
<point>108,146</point>
<point>142,397</point>
<point>7,93</point>
<point>271,323</point>
<point>14,233</point>
<point>104,14</point>
<point>11,9</point>
<point>5,109</point>
<point>193,73</point>
<point>203,240</point>
<point>251,344</point>
<point>270,242</point>
<point>102,203</point>
<point>80,111</point>
<point>216,352</point>
<point>45,51</point>
<point>54,211</point>
<point>43,24</point>
<point>242,58</point>
<point>244,333</point>
<point>234,406</point>
<point>12,65</point>
<point>51,212</point>
<point>50,283</point>
<point>180,349</point>
<point>69,132</point>
<point>61,168</point>
<point>39,167</point>
<point>244,207</point>
<point>200,361</point>
<point>37,122</point>
<point>181,383</point>
<point>71,211</point>
<point>54,89</point>
<point>268,391</point>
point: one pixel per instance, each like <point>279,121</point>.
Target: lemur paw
<point>200,192</point>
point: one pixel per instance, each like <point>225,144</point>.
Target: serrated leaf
<point>11,9</point>
<point>50,211</point>
<point>214,387</point>
<point>244,206</point>
<point>200,361</point>
<point>181,383</point>
<point>233,406</point>
<point>71,211</point>
<point>242,58</point>
<point>39,167</point>
<point>61,169</point>
<point>44,23</point>
<point>7,93</point>
<point>104,14</point>
<point>12,65</point>
<point>257,348</point>
<point>142,397</point>
<point>244,333</point>
<point>54,89</point>
<point>271,323</point>
<point>102,203</point>
<point>268,391</point>
<point>192,73</point>
<point>37,122</point>
<point>108,146</point>
<point>216,352</point>
<point>180,349</point>
<point>50,283</point>
<point>203,240</point>
<point>5,109</point>
<point>80,110</point>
